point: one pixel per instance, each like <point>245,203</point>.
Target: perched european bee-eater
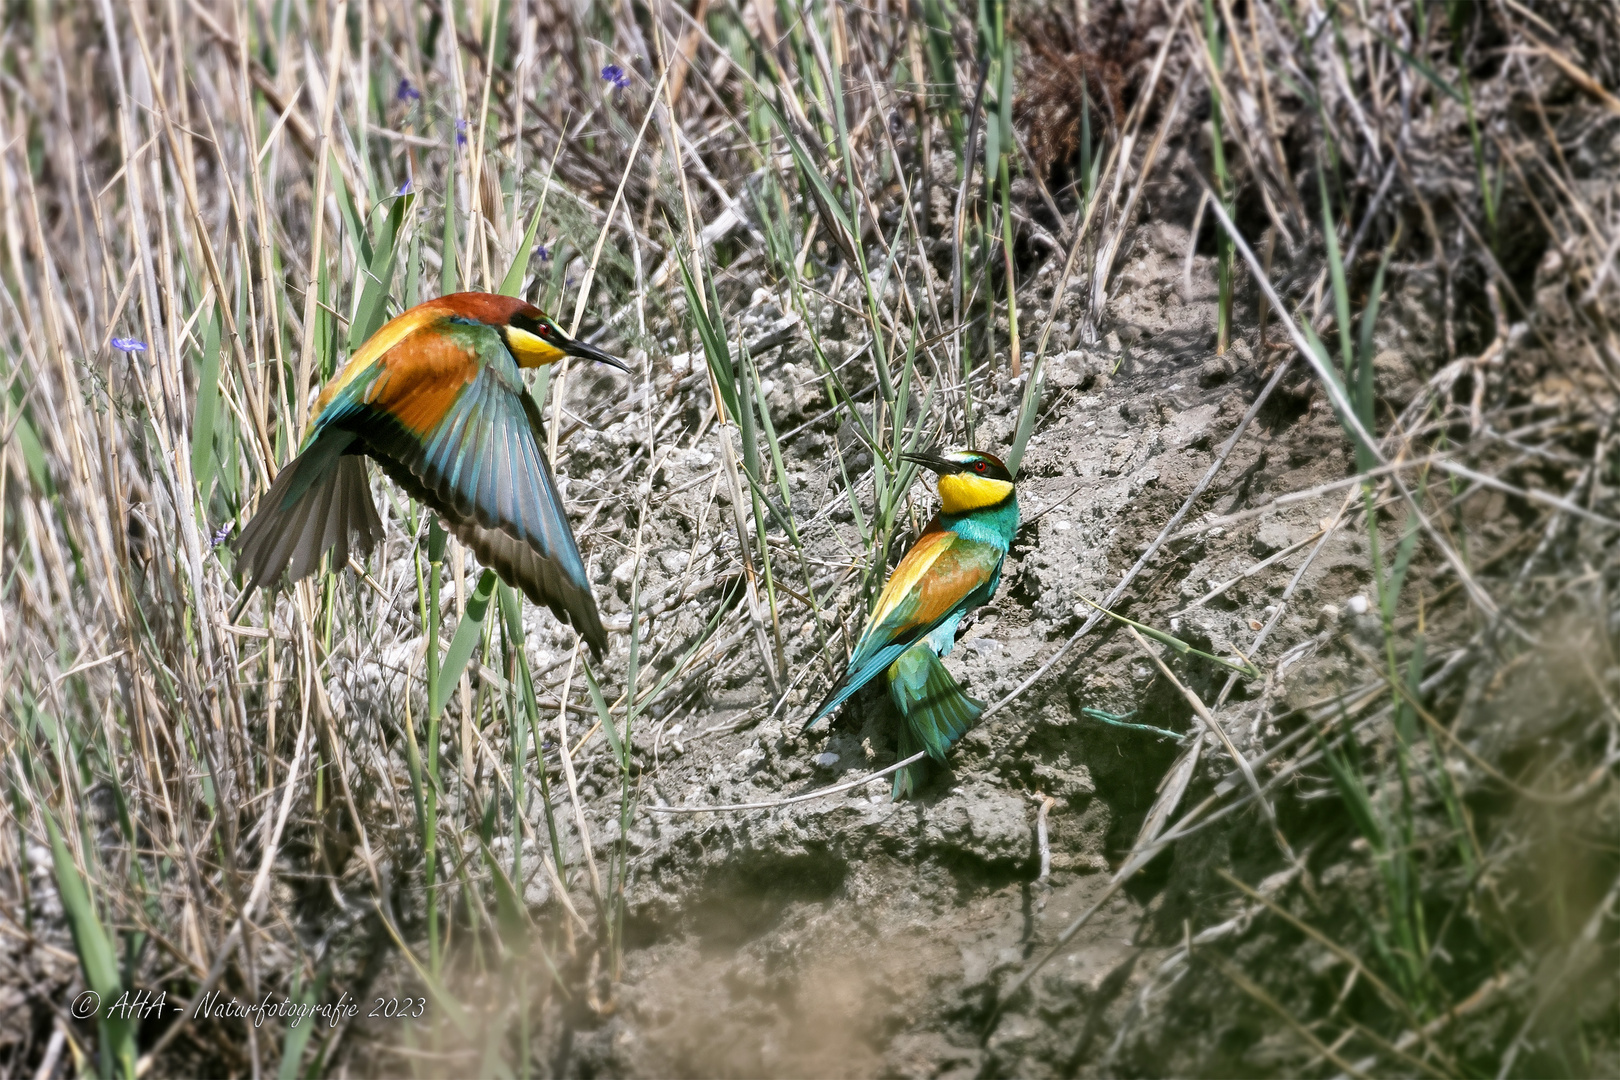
<point>435,396</point>
<point>954,567</point>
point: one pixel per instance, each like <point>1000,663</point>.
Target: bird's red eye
<point>979,467</point>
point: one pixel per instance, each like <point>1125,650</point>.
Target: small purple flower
<point>542,253</point>
<point>128,344</point>
<point>220,534</point>
<point>407,92</point>
<point>461,132</point>
<point>405,188</point>
<point>616,75</point>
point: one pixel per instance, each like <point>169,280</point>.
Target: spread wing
<point>445,411</point>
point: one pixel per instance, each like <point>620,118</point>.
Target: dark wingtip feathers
<point>540,578</point>
<point>335,513</point>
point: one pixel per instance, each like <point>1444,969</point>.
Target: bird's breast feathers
<point>416,367</point>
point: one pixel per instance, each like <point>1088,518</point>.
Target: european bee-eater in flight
<point>954,567</point>
<point>436,398</point>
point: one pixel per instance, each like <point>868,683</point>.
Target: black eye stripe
<point>531,325</point>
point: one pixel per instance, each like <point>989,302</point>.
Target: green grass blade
<point>325,336</point>
<point>413,270</point>
<point>727,602</point>
<point>942,68</point>
<point>468,633</point>
<point>1180,647</point>
<point>1397,572</point>
<point>1341,288</point>
<point>96,955</point>
<point>1353,790</point>
<point>351,215</point>
<point>1421,67</point>
<point>33,452</point>
<point>207,411</point>
<point>1028,410</point>
<point>632,664</point>
<point>784,513</point>
<point>1105,717</point>
<point>604,714</point>
<point>443,999</point>
<point>512,283</point>
<point>832,210</point>
<point>745,416</point>
<point>297,1036</point>
<point>372,310</point>
<point>449,275</point>
<point>715,350</point>
<point>1364,391</point>
<point>510,915</point>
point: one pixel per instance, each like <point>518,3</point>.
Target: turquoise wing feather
<point>935,708</point>
<point>934,712</point>
<point>466,440</point>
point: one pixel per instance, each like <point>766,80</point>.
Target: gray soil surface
<point>854,936</point>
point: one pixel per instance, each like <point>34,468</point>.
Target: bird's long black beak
<point>586,351</point>
<point>931,461</point>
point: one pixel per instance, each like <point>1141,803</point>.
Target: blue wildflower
<point>407,92</point>
<point>461,132</point>
<point>128,344</point>
<point>405,188</point>
<point>542,253</point>
<point>616,75</point>
<point>220,534</point>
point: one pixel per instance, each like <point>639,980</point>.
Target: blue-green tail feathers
<point>319,502</point>
<point>910,778</point>
<point>933,709</point>
<point>856,678</point>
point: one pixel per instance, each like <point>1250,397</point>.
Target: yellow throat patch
<point>531,350</point>
<point>961,493</point>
